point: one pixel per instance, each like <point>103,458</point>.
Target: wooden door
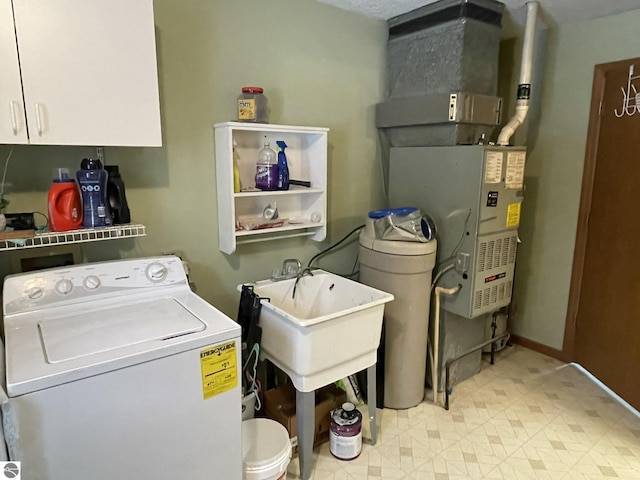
<point>603,320</point>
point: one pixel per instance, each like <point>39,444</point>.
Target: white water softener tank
<point>397,255</point>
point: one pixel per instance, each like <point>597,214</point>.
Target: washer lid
<point>50,347</point>
<point>83,334</point>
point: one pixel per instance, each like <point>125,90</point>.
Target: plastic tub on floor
<point>266,450</point>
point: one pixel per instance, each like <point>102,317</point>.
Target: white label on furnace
<point>493,168</point>
<point>515,170</point>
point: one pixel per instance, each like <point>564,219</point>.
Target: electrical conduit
<point>524,86</point>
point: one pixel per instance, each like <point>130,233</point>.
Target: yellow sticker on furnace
<point>513,215</point>
<point>219,369</point>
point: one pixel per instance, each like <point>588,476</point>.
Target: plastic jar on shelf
<point>252,105</point>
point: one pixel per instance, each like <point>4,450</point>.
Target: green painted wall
<point>556,134</point>
<point>320,66</point>
<point>325,67</point>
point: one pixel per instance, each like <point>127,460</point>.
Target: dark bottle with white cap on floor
<point>345,433</point>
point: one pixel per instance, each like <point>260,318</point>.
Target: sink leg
<point>371,402</point>
<point>305,416</point>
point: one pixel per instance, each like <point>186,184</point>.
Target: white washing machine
<point>118,370</point>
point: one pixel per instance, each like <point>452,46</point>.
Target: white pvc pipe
<point>435,374</point>
<point>522,107</point>
<point>524,86</point>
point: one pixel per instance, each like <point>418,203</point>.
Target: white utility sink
<point>329,330</point>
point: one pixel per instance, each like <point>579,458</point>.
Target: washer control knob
<point>34,292</point>
<point>91,282</point>
<point>64,286</point>
<point>156,272</point>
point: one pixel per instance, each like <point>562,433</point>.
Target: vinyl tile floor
<point>528,416</point>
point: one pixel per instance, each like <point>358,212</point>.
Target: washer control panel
<point>29,291</point>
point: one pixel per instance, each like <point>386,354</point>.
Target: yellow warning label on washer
<point>513,215</point>
<point>219,369</point>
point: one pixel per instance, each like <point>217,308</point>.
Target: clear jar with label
<point>252,105</point>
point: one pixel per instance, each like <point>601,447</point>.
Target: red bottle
<point>65,204</point>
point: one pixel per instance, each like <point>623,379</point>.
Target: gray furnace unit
<point>438,116</point>
<point>474,194</point>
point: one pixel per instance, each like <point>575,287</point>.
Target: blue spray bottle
<point>283,168</point>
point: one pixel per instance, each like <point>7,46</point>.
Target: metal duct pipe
<point>524,86</point>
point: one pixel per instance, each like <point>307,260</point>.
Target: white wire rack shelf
<point>50,239</point>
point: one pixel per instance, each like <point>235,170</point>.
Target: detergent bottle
<point>92,178</point>
<point>64,203</point>
<point>117,197</point>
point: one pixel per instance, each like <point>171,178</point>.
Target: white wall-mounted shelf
<point>50,239</point>
<point>302,210</point>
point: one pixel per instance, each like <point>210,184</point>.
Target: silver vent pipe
<point>524,86</point>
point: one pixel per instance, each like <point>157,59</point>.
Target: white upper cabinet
<point>88,72</point>
<point>13,128</point>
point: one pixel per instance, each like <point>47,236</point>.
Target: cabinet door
<point>13,127</point>
<point>89,71</point>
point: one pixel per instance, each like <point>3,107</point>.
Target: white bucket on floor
<point>266,450</point>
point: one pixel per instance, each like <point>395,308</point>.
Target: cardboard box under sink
<point>280,405</point>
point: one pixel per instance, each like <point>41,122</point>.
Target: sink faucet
<point>291,268</point>
<point>306,271</point>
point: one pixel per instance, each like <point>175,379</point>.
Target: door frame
<point>588,177</point>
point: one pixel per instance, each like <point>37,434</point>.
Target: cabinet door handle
<point>14,119</point>
<point>39,118</point>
